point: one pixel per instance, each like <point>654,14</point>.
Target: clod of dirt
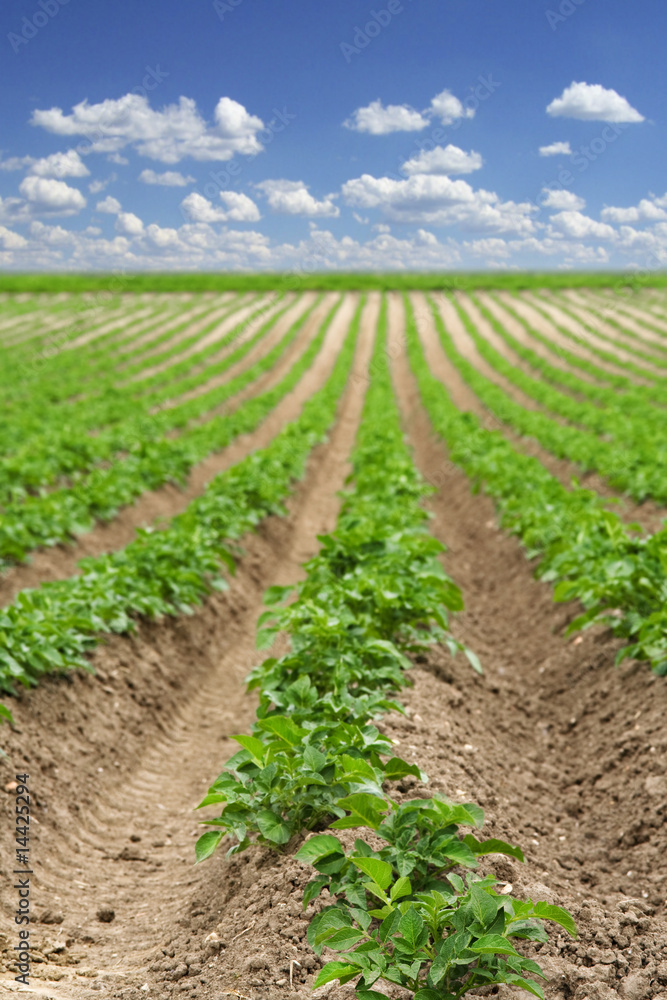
<point>51,917</point>
<point>105,914</point>
<point>135,838</point>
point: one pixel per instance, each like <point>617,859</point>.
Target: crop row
<point>626,337</point>
<point>645,372</point>
<point>153,460</point>
<point>52,628</point>
<point>624,449</point>
<point>84,385</point>
<point>585,549</point>
<point>71,448</point>
<point>397,913</point>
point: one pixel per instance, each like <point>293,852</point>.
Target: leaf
<point>334,970</point>
<point>319,846</point>
<point>344,938</point>
<point>314,759</point>
<point>253,746</point>
<point>379,871</point>
<point>559,916</point>
<point>484,906</point>
<point>273,827</point>
<point>276,594</point>
<point>207,844</point>
<point>366,810</point>
<point>492,944</point>
<point>212,799</point>
<point>473,660</point>
<point>5,713</point>
<point>427,994</point>
<point>411,926</point>
<point>483,847</point>
<point>396,768</point>
<point>284,728</point>
<point>400,888</point>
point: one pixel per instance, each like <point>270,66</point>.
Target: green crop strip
<point>45,386</point>
<point>71,449</point>
<point>585,548</point>
<point>627,339</point>
<point>643,319</point>
<point>374,593</point>
<point>632,392</point>
<point>651,360</point>
<point>168,571</point>
<point>47,378</point>
<point>609,357</point>
<point>631,398</point>
<point>628,452</point>
<point>61,515</point>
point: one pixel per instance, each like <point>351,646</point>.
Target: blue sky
<point>250,134</point>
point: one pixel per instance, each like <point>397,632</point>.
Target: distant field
<point>200,282</point>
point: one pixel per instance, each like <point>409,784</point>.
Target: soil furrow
<point>169,500</point>
<point>565,752</point>
<point>125,837</point>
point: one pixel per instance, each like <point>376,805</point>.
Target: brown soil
<point>565,753</point>
<point>144,738</point>
<point>61,561</point>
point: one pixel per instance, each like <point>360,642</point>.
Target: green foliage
<point>169,571</point>
<point>423,843</point>
<point>362,281</point>
<point>439,944</point>
<point>289,777</point>
<point>374,593</point>
<point>152,460</point>
<point>586,550</point>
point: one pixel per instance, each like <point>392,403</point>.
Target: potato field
<point>333,643</point>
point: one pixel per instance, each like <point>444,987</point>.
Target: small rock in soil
<point>51,917</point>
<point>105,914</point>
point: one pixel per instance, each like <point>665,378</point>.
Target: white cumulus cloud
<point>170,178</point>
<point>591,102</point>
<point>110,205</point>
<point>11,240</point>
<point>556,149</point>
<point>294,198</point>
<point>438,200</point>
<point>581,227</point>
<point>443,160</point>
<point>562,200</point>
<point>376,119</point>
<point>67,164</point>
<point>49,195</point>
<point>238,208</point>
<point>167,135</point>
<point>448,108</point>
<point>648,210</point>
<point>129,224</point>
